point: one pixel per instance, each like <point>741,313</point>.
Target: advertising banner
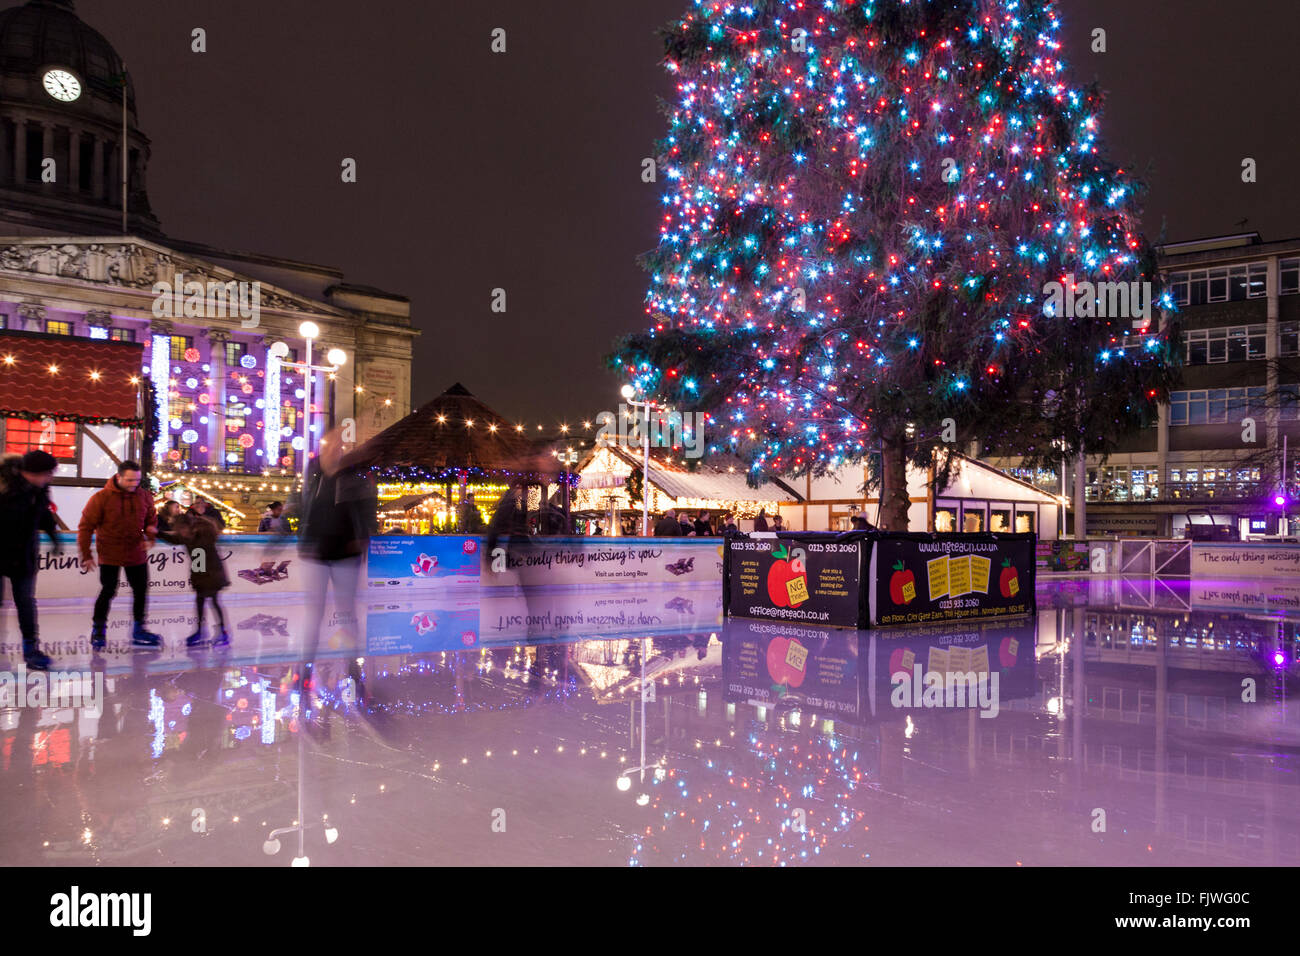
<point>807,578</point>
<point>600,561</point>
<point>1258,560</point>
<point>260,565</point>
<point>400,563</point>
<point>924,578</point>
<point>808,668</point>
<point>1061,556</point>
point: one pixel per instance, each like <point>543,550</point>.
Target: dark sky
<point>522,170</point>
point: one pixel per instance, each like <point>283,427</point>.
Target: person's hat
<point>37,462</point>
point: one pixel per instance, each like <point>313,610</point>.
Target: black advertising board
<point>930,578</point>
<point>808,578</point>
<point>877,579</point>
<point>805,667</point>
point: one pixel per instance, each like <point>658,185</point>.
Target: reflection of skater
<point>122,518</point>
<point>25,511</point>
<point>339,514</point>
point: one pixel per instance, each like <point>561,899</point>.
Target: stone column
<point>74,161</point>
<point>32,318</point>
<point>97,170</point>
<point>216,431</point>
<point>47,152</point>
<point>20,150</point>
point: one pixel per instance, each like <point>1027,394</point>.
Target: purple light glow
<point>1279,500</point>
<point>1279,658</point>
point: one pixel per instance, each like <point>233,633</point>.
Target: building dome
<point>48,33</point>
<point>61,138</point>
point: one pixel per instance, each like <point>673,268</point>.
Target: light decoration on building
<point>271,401</point>
<point>159,370</point>
<point>98,333</point>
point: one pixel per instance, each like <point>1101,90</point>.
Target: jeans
<point>137,576</point>
<point>23,587</point>
<point>319,574</point>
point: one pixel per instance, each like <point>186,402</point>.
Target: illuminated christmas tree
<point>864,203</point>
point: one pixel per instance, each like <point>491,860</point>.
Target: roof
<point>706,482</point>
<point>69,378</point>
<point>455,433</point>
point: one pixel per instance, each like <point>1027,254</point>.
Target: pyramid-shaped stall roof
<point>452,434</point>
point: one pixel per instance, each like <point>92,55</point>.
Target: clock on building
<point>62,85</point>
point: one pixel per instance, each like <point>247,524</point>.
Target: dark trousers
<point>23,587</point>
<point>200,599</point>
<point>136,576</point>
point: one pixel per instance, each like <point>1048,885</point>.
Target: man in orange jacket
<point>122,518</point>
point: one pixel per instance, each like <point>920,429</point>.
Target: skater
<point>24,512</point>
<point>122,520</point>
<point>339,510</point>
<point>273,520</point>
<point>207,573</point>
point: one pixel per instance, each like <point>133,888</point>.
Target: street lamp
<point>337,358</point>
<point>628,392</point>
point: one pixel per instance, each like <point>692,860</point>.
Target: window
<point>55,327</point>
<point>233,449</point>
<point>4,321</point>
<point>122,335</point>
<point>289,417</point>
<point>181,448</point>
<point>1237,343</point>
<point>180,344</point>
<point>234,352</point>
<point>1231,284</point>
<point>1288,273</point>
<point>1289,335</point>
<point>286,453</point>
<point>1220,405</point>
<point>57,438</point>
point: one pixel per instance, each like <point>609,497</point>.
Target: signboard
<point>1124,524</point>
<point>1061,556</point>
<point>1245,560</point>
<point>797,577</point>
<point>808,668</point>
<point>397,562</point>
<point>601,561</point>
<point>924,578</point>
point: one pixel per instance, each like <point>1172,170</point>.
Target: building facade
<point>1216,454</point>
<point>232,414</point>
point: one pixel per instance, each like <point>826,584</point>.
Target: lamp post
<point>336,357</point>
<point>628,392</point>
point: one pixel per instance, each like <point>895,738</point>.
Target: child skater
<point>207,572</point>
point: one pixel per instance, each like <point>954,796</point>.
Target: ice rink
<point>505,728</point>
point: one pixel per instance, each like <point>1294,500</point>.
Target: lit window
<point>122,335</point>
<point>56,327</point>
<point>22,436</point>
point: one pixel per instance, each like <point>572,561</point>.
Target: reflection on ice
<point>1166,705</point>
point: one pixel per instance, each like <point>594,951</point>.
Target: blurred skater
<point>339,514</point>
<point>24,512</point>
<point>207,572</point>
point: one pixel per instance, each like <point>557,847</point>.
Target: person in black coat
<point>24,513</point>
<point>202,509</point>
<point>668,526</point>
<point>702,526</point>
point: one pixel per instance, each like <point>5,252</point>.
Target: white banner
<point>602,562</point>
<point>1245,561</point>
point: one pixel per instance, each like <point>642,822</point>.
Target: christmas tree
<point>864,204</point>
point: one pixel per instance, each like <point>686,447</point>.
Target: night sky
<point>522,170</point>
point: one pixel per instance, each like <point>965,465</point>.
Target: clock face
<point>62,85</point>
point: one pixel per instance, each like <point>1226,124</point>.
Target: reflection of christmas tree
<point>743,807</point>
<point>864,203</point>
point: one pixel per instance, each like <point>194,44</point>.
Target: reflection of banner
<point>921,578</point>
<point>1245,560</point>
<point>812,578</point>
<point>814,668</point>
<point>423,561</point>
<point>256,565</point>
<point>1248,595</point>
<point>986,649</point>
<point>446,622</point>
<point>538,561</point>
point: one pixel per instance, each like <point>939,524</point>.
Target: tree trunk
<point>894,500</point>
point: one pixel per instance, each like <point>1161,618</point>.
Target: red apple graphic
<point>902,585</point>
<point>778,665</point>
<point>1007,651</point>
<point>786,567</point>
<point>1009,580</point>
